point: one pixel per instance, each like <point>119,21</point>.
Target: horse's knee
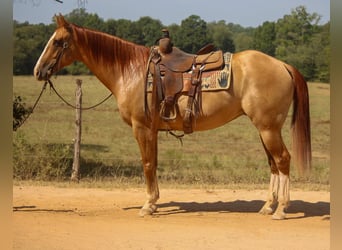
<point>149,169</point>
<point>147,166</point>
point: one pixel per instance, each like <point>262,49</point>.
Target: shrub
<point>40,161</point>
<point>20,112</point>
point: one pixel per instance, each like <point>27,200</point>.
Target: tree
<point>297,28</point>
<point>320,44</point>
<point>28,38</point>
<point>127,30</point>
<point>110,27</point>
<point>193,34</point>
<point>243,41</point>
<point>295,39</point>
<point>82,18</point>
<point>175,33</point>
<point>149,29</point>
<point>264,38</point>
<point>221,36</point>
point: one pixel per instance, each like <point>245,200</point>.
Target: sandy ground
<point>80,218</point>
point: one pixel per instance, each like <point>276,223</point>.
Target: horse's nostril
<point>38,74</point>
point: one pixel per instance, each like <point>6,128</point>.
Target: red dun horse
<point>262,88</point>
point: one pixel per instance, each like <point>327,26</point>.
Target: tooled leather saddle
<point>167,66</point>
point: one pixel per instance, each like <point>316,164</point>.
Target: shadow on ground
<point>239,206</point>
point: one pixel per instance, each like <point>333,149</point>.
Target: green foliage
<point>82,18</point>
<point>297,39</point>
<point>304,44</point>
<point>264,38</point>
<point>76,68</point>
<point>29,41</point>
<point>20,111</point>
<point>149,30</point>
<point>127,30</point>
<point>221,35</point>
<point>192,35</point>
<point>243,41</point>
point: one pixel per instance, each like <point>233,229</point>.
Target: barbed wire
<point>35,3</point>
<point>80,3</point>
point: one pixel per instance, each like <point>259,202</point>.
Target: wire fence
<point>108,143</point>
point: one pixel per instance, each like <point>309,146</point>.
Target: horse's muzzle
<point>44,73</point>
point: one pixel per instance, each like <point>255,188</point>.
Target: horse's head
<point>58,52</point>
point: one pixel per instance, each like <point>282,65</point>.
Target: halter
<point>64,46</point>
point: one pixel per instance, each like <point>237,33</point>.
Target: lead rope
<point>73,106</point>
<point>66,102</point>
<point>34,106</point>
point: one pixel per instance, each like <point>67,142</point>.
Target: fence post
<point>75,176</point>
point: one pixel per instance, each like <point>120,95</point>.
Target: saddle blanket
<point>211,80</point>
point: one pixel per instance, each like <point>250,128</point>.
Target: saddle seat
<point>180,61</point>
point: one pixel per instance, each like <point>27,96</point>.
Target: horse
<point>262,88</point>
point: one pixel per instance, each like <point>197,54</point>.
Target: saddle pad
<point>211,80</point>
<point>220,79</point>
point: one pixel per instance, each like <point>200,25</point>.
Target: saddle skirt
<point>172,72</point>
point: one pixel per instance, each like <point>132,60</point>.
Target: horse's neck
<point>115,62</point>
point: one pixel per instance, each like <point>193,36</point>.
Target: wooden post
<point>75,176</point>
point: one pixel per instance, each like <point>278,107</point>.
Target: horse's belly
<point>215,110</point>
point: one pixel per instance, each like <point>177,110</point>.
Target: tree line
<point>296,38</point>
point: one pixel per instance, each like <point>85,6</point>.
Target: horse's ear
<point>61,22</point>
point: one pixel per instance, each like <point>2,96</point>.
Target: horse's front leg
<point>149,153</point>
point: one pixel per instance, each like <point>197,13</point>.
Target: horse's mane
<point>110,50</point>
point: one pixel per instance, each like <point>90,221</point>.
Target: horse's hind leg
<point>274,185</point>
<point>279,159</point>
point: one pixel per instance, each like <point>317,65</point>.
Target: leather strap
<point>195,82</point>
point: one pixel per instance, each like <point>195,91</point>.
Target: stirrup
<point>162,112</point>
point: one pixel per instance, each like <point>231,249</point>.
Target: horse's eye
<point>57,43</point>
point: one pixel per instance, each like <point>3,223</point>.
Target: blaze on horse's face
<point>57,52</point>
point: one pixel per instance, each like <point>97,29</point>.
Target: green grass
<point>229,155</point>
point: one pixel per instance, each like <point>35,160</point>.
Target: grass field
<point>232,154</point>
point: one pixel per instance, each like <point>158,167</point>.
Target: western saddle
<point>168,65</point>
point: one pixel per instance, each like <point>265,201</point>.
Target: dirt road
<point>80,218</point>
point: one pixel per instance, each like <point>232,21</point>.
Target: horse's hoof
<point>266,211</point>
<point>147,211</point>
<point>278,216</point>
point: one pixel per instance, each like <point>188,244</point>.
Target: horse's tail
<point>301,135</point>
